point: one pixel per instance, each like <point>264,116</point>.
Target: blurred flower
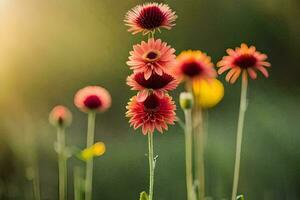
<point>186,100</point>
<point>60,116</point>
<point>243,58</point>
<point>208,93</point>
<point>92,98</point>
<point>148,17</point>
<point>154,113</point>
<point>194,65</point>
<point>98,149</point>
<point>156,83</point>
<point>152,56</point>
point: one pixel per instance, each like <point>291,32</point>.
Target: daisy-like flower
<point>194,65</point>
<point>148,17</point>
<point>92,98</point>
<point>156,83</point>
<point>60,116</point>
<point>152,56</point>
<point>243,58</point>
<point>153,113</point>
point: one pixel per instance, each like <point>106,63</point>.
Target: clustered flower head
<point>194,64</point>
<point>92,98</point>
<point>151,61</point>
<point>243,59</point>
<point>149,17</point>
<point>60,116</point>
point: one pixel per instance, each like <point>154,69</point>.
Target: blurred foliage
<point>49,49</point>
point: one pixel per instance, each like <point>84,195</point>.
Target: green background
<point>49,49</point>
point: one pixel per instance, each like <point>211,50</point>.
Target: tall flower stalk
<point>243,107</point>
<point>89,162</point>
<point>246,61</point>
<point>152,108</point>
<point>61,117</point>
<point>91,99</point>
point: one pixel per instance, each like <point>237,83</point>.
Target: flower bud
<point>60,116</point>
<point>186,100</point>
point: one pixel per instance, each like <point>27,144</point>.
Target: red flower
<point>246,59</point>
<point>153,56</point>
<point>156,83</point>
<point>60,116</point>
<point>153,113</point>
<point>148,17</point>
<point>92,98</point>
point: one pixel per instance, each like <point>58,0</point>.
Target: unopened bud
<point>186,100</point>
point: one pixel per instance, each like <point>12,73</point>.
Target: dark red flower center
<point>92,102</point>
<point>192,69</point>
<point>152,55</point>
<point>152,102</point>
<point>151,17</point>
<point>245,61</point>
<point>154,82</point>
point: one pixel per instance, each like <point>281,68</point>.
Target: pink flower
<point>153,113</point>
<point>245,59</point>
<point>194,65</point>
<point>152,56</point>
<point>156,83</point>
<point>92,98</point>
<point>60,116</point>
<point>148,17</point>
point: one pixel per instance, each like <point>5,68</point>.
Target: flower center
<point>192,69</point>
<point>245,61</point>
<point>92,102</point>
<point>150,18</point>
<point>152,102</point>
<point>152,56</point>
<point>154,82</point>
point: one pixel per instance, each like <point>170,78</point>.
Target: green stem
<point>36,184</point>
<point>89,163</point>
<point>62,164</point>
<point>199,147</point>
<point>242,111</point>
<point>77,184</point>
<point>189,154</point>
<point>151,165</point>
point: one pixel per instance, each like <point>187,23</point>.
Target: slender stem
<point>36,184</point>
<point>189,154</point>
<point>151,165</point>
<point>243,108</point>
<point>77,183</point>
<point>199,154</point>
<point>89,163</point>
<point>62,164</point>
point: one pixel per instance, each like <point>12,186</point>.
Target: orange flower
<point>243,58</point>
<point>194,65</point>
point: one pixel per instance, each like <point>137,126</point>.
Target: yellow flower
<point>97,149</point>
<point>208,93</point>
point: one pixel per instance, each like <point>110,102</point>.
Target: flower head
<point>148,17</point>
<point>194,65</point>
<point>208,93</point>
<point>243,58</point>
<point>152,56</point>
<point>60,116</point>
<point>159,84</point>
<point>153,113</point>
<point>92,98</point>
